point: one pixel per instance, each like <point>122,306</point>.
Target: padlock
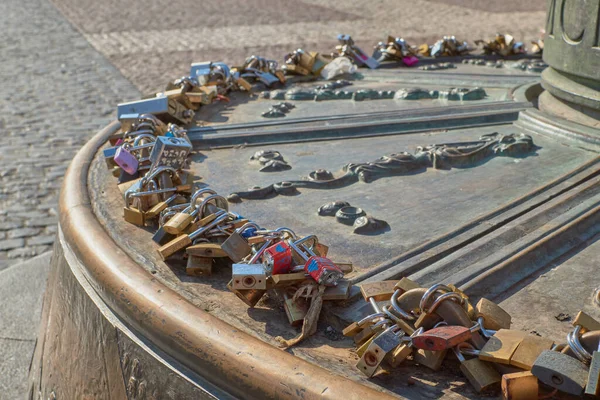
<point>369,331</point>
<point>199,266</point>
<point>167,110</point>
<point>236,246</point>
<point>354,328</point>
<point>379,348</point>
<point>183,241</point>
<point>586,322</point>
<point>250,297</point>
<point>442,338</point>
<point>341,291</point>
<point>480,374</point>
<point>296,69</point>
<point>170,152</point>
<point>501,346</point>
<point>206,250</point>
<point>267,78</point>
<point>494,316</point>
<point>249,276</point>
<point>519,386</point>
<point>528,351</point>
<point>294,309</point>
<point>430,359</point>
<point>125,160</point>
<point>321,269</point>
<point>284,280</point>
<point>318,64</point>
<point>109,156</point>
<point>469,307</point>
<point>427,320</point>
<point>134,216</point>
<point>160,206</point>
<point>378,291</point>
<point>561,371</point>
<point>359,56</point>
<point>180,221</point>
<point>405,285</point>
<point>277,259</point>
<point>593,382</point>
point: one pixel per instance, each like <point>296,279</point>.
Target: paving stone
<point>23,232</point>
<point>40,240</point>
<point>11,244</point>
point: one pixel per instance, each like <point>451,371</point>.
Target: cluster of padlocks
<point>150,155</point>
<point>426,324</point>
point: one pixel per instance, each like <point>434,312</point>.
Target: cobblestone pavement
<point>151,51</point>
<point>56,92</point>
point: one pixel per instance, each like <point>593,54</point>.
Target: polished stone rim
<point>233,360</point>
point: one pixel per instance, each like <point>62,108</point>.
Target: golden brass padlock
<point>399,354</point>
<point>206,250</point>
<point>480,374</point>
<point>284,280</point>
<point>199,266</point>
<point>406,284</point>
<point>251,296</point>
<point>427,320</point>
<point>494,317</point>
<point>178,223</point>
<point>430,359</point>
<point>528,351</point>
<point>520,386</point>
<point>341,291</point>
<point>501,346</point>
<point>134,216</point>
<point>378,291</point>
<point>295,310</point>
<point>586,322</point>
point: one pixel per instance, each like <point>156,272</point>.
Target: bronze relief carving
<point>437,156</point>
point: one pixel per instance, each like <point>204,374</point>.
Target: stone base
<point>552,105</point>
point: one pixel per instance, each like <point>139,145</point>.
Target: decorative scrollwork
<point>437,156</point>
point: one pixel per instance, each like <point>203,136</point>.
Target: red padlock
<point>277,258</point>
<point>442,338</point>
<point>323,270</point>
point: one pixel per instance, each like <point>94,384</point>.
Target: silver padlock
<point>170,152</point>
<point>249,276</point>
<point>168,110</point>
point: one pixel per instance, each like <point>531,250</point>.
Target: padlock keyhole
<point>557,380</point>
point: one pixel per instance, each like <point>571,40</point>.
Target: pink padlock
<point>127,161</point>
<point>409,61</point>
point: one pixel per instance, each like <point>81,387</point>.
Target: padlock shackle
<point>247,225</point>
<point>224,204</point>
<point>199,193</point>
<point>129,195</point>
<point>573,340</point>
<point>260,251</point>
<point>143,136</point>
<point>297,250</point>
<point>397,308</point>
<point>150,175</point>
<point>199,232</point>
<point>429,293</point>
